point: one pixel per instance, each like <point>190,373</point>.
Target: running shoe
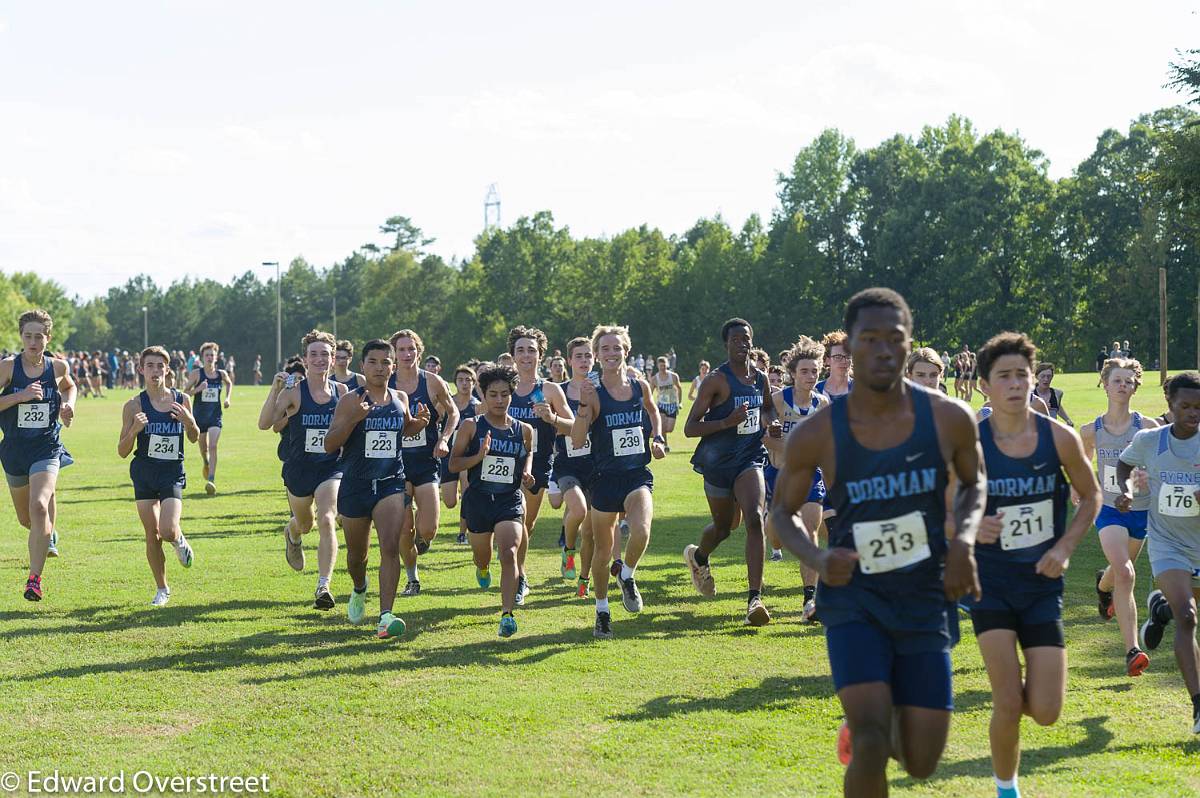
<point>1196,719</point>
<point>421,544</point>
<point>844,748</point>
<point>183,550</point>
<point>756,613</point>
<point>603,628</point>
<point>1007,792</point>
<point>52,547</point>
<point>1105,599</point>
<point>508,625</point>
<point>210,487</point>
<point>389,626</point>
<point>1136,662</point>
<point>631,597</point>
<point>776,555</point>
<point>615,568</point>
<point>33,588</point>
<point>1152,630</point>
<point>413,588</point>
<point>522,590</point>
<point>809,613</point>
<point>461,539</point>
<point>484,577</point>
<point>323,599</point>
<point>562,537</point>
<point>356,608</point>
<point>582,590</point>
<point>701,575</point>
<point>624,526</point>
<point>568,566</point>
<point>293,551</point>
<point>161,597</point>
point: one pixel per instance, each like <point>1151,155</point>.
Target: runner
<point>668,390</point>
<point>1171,456</point>
<point>1024,545</point>
<point>36,390</point>
<point>542,405</point>
<point>343,356</point>
<point>924,367</point>
<point>1122,535</point>
<point>884,451</point>
<point>310,474</point>
<point>837,353</point>
<point>367,426</point>
<point>776,377</point>
<point>572,472</point>
<point>496,452</point>
<point>468,407</point>
<point>698,379</point>
<point>619,415</point>
<point>1051,396</point>
<point>205,383</point>
<point>728,417</point>
<point>558,370</point>
<point>423,449</point>
<point>972,373</point>
<point>152,427</point>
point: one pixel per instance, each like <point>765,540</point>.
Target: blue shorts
<point>861,652</point>
<point>357,497</point>
<point>718,482</point>
<point>444,475</point>
<point>483,510</point>
<point>156,481</point>
<point>421,469</point>
<point>1134,521</point>
<point>302,479</point>
<point>541,477</point>
<point>609,491</point>
<point>670,411</point>
<point>20,460</point>
<point>1035,615</point>
<point>208,423</point>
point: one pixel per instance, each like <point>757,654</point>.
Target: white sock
<point>322,582</point>
<point>626,571</point>
<point>602,605</point>
<point>1011,784</point>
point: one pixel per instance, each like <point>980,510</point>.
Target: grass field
<point>239,676</point>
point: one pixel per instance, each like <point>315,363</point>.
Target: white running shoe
<point>161,597</point>
<point>183,551</point>
<point>701,575</point>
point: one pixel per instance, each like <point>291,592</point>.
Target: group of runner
<point>922,504</point>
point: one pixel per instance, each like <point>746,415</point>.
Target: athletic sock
<point>602,605</point>
<point>412,574</point>
<point>506,612</point>
<point>362,589</point>
<point>700,557</point>
<point>751,595</point>
<point>809,592</point>
<point>322,582</point>
<point>1196,702</point>
<point>569,551</point>
<point>626,571</point>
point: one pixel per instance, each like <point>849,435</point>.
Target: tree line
<point>968,225</point>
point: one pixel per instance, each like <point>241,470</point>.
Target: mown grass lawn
<point>239,676</point>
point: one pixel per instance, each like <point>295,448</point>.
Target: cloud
<point>220,226</point>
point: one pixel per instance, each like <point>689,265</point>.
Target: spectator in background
<point>258,369</point>
<point>672,359</point>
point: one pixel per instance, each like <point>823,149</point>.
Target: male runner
<point>205,384</point>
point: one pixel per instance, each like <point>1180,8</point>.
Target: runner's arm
<point>459,461</point>
<point>448,410</point>
<point>1079,471</point>
<point>128,437</point>
<point>695,427</point>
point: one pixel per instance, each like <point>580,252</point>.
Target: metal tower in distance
<point>491,208</point>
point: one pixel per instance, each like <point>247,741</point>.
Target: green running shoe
<point>357,606</point>
<point>389,626</point>
<point>484,577</point>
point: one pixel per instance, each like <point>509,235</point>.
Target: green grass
<point>239,676</point>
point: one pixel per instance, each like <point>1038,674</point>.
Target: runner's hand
<point>66,413</point>
<point>140,421</point>
<point>990,527</point>
<point>1053,563</point>
<point>422,414</point>
<point>738,415</point>
<point>33,391</point>
<point>837,566</point>
<point>961,576</point>
<point>527,479</point>
<point>1124,502</point>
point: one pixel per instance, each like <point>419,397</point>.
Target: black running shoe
<point>631,597</point>
<point>603,628</point>
<point>422,545</point>
<point>562,538</point>
<point>412,588</point>
<point>324,599</point>
<point>461,539</point>
<point>1105,600</point>
<point>1152,630</point>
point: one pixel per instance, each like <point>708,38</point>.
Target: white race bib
<point>498,469</point>
<point>163,447</point>
<point>380,443</point>
<point>1027,525</point>
<point>627,441</point>
<point>210,394</point>
<point>749,426</point>
<point>314,441</point>
<point>414,441</point>
<point>34,415</point>
<point>1110,481</point>
<point>582,451</point>
<point>1178,501</point>
<point>533,427</point>
<point>895,543</point>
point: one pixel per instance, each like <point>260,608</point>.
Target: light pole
<point>278,316</point>
<point>145,327</point>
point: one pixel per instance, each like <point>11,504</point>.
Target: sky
<point>203,138</point>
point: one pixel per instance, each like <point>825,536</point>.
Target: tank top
<point>1052,402</point>
<point>500,470</point>
<point>667,393</point>
<point>1032,493</point>
<point>820,388</point>
<point>1172,465</point>
<point>307,427</point>
<point>1108,453</point>
<point>544,433</point>
<point>620,433</point>
<point>792,415</point>
<point>734,446</point>
<point>566,457</point>
<point>208,401</point>
<point>419,446</point>
<point>372,451</point>
<point>350,382</point>
<point>161,440</point>
<point>32,425</point>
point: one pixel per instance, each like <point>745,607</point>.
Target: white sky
<point>205,137</point>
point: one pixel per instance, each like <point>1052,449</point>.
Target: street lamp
<point>278,316</point>
<point>145,327</point>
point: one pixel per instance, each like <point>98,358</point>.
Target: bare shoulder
<point>950,410</point>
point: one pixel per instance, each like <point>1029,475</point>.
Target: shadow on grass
<point>773,693</point>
